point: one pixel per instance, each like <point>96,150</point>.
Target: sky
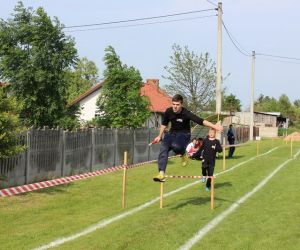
<point>268,27</point>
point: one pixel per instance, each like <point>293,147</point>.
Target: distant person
<point>210,147</point>
<point>198,154</point>
<point>192,147</point>
<point>231,140</point>
<point>179,134</point>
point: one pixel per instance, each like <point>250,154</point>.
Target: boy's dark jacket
<point>208,150</point>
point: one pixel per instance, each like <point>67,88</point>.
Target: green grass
<point>269,218</point>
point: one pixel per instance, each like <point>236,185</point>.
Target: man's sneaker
<point>203,179</point>
<point>184,160</point>
<point>159,178</point>
<point>207,189</point>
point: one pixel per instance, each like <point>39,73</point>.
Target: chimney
<point>154,82</point>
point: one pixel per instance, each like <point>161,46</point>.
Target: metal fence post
<point>27,161</point>
<point>149,140</point>
<point>92,149</point>
<point>115,145</point>
<point>63,144</point>
<point>133,144</point>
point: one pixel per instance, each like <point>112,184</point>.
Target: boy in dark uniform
<point>179,135</point>
<point>209,149</point>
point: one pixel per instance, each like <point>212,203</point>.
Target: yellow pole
<point>286,140</point>
<point>161,195</point>
<point>124,179</point>
<point>257,148</point>
<point>212,193</point>
<point>224,152</point>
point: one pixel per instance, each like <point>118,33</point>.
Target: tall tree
<point>191,75</point>
<point>297,103</point>
<point>120,103</point>
<point>266,104</point>
<point>231,103</point>
<point>82,77</point>
<point>34,57</point>
<point>10,126</point>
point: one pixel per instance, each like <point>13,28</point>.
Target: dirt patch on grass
<point>295,136</point>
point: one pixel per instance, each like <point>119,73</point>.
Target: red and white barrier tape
<point>55,182</point>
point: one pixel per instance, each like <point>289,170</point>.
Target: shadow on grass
<point>199,200</point>
<point>223,184</point>
<point>194,201</point>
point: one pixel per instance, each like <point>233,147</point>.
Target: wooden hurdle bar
<point>212,188</point>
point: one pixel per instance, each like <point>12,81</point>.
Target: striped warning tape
<point>188,176</point>
<point>55,182</point>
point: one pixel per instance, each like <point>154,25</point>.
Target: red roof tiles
<point>159,99</point>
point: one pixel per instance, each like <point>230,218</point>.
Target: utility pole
<point>252,97</point>
<point>219,61</point>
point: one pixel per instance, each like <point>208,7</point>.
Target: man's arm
<point>206,123</point>
<point>216,126</point>
<point>161,131</point>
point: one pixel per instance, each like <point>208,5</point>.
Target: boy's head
<point>211,133</point>
<point>194,140</point>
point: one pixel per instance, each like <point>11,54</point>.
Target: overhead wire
<point>276,56</point>
<point>276,60</point>
<point>234,41</point>
<point>140,24</point>
<point>212,3</point>
<point>138,19</point>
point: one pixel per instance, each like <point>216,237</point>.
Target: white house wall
<point>89,107</point>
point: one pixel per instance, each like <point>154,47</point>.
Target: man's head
<point>230,126</point>
<point>211,133</point>
<point>177,102</point>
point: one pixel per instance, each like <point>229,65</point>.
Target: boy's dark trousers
<point>208,170</point>
<point>172,141</point>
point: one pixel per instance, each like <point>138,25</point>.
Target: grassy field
<point>269,219</point>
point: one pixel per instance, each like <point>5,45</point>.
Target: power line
<point>245,53</point>
<point>276,56</point>
<point>138,19</point>
<point>141,24</point>
<point>275,60</point>
<point>212,3</point>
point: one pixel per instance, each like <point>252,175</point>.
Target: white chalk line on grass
<point>108,221</point>
<point>214,222</point>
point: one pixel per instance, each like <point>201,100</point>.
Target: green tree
<point>297,103</point>
<point>192,76</point>
<point>120,103</point>
<point>266,104</point>
<point>231,103</point>
<point>10,126</point>
<point>81,78</point>
<point>35,55</point>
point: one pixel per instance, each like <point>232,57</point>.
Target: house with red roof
<point>159,102</point>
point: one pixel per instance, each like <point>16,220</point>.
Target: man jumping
<point>179,134</point>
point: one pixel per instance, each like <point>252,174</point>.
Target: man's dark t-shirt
<point>180,122</point>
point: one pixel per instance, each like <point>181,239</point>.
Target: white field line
<point>214,222</point>
<point>105,222</point>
